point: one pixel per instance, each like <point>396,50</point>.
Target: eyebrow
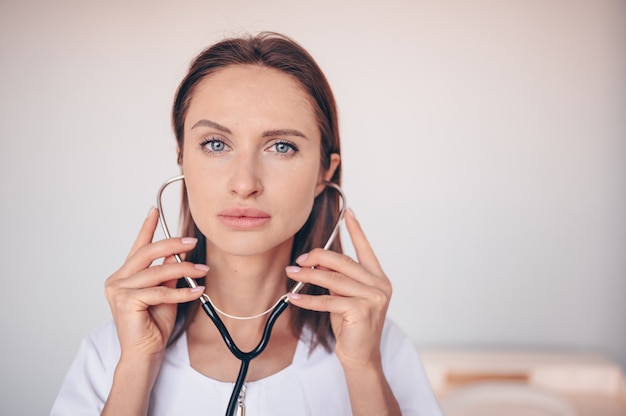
<point>209,123</point>
<point>284,132</point>
<point>267,133</point>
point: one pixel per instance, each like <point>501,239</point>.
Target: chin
<point>247,244</point>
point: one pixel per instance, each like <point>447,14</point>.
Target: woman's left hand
<point>358,300</point>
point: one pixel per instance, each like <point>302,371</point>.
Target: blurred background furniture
<point>525,383</point>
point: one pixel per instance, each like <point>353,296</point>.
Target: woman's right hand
<point>143,297</point>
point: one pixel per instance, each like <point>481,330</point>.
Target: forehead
<point>245,94</point>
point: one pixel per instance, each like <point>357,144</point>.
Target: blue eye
<point>217,146</point>
<point>213,145</point>
<point>284,147</point>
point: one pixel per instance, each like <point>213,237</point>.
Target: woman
<point>258,141</point>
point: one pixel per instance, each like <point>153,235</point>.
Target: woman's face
<point>251,159</point>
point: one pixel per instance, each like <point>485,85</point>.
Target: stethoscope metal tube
<point>190,282</point>
<point>278,309</point>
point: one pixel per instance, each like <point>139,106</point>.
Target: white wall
<point>484,150</point>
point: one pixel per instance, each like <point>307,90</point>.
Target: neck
<point>247,285</point>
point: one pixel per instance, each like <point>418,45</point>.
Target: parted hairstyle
<point>270,50</point>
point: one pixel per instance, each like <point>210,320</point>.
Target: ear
<point>179,158</point>
<point>326,175</point>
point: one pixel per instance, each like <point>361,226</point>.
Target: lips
<point>243,218</point>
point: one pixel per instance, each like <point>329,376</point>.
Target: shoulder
<point>105,335</point>
<point>88,381</point>
<point>322,374</point>
<point>103,344</point>
<point>397,350</point>
<point>405,373</point>
<point>393,337</point>
<point>99,352</point>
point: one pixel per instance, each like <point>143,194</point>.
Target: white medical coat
<point>314,383</point>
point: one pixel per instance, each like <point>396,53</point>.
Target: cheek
<point>196,201</point>
<point>201,194</point>
<point>298,196</point>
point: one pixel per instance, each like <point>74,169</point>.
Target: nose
<point>245,178</point>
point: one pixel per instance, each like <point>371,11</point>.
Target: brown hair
<point>275,51</point>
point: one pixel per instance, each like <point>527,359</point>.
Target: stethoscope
<point>274,312</point>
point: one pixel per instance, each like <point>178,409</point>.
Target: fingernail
<point>188,240</point>
<point>350,212</point>
<point>294,296</point>
<point>292,269</point>
<point>302,258</point>
<point>197,289</point>
<point>202,267</point>
<point>151,210</point>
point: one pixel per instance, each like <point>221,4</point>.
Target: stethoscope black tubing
<point>244,357</point>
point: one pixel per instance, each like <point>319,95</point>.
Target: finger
<point>158,295</point>
<point>146,233</point>
<point>170,283</point>
<point>170,260</point>
<point>336,283</point>
<point>145,255</point>
<point>173,260</point>
<point>322,303</point>
<point>330,260</point>
<point>364,252</point>
<point>158,275</point>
